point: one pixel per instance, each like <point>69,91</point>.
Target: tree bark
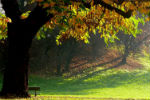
<point>15,82</point>
<point>20,35</point>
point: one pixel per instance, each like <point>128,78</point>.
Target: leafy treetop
<point>78,18</point>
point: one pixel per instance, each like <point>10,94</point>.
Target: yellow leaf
<point>46,5</point>
<point>147,19</point>
<point>39,0</point>
<point>52,4</point>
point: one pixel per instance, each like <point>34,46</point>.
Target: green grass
<point>145,61</point>
<point>108,84</point>
<point>100,83</point>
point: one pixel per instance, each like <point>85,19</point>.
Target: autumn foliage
<point>75,19</point>
<point>78,18</point>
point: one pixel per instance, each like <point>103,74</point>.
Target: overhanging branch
<point>11,8</point>
<point>124,14</point>
<point>38,17</point>
<point>105,5</point>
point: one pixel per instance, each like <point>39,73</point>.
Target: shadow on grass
<point>101,79</point>
<point>81,71</point>
<point>100,71</point>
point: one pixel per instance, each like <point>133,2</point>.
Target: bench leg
<point>35,93</point>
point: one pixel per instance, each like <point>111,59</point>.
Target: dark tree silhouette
<point>20,35</point>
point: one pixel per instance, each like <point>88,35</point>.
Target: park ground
<point>107,79</point>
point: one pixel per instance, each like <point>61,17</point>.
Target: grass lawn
<point>98,83</point>
<point>108,84</point>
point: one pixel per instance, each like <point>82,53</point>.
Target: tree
<point>76,18</point>
<point>132,44</point>
<point>20,35</point>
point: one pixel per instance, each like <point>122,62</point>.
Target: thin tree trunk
<point>71,48</point>
<point>59,61</point>
<point>126,53</point>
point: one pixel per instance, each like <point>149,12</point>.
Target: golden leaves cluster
<point>78,23</point>
<point>3,26</point>
<point>108,23</point>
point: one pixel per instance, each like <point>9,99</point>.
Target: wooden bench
<point>35,88</point>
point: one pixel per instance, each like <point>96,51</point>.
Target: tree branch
<point>38,17</point>
<point>11,8</point>
<point>124,14</point>
<point>105,5</point>
<point>26,7</point>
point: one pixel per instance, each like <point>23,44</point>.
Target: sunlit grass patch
<point>98,82</point>
<point>145,60</point>
<point>107,84</point>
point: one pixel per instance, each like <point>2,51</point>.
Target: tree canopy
<point>78,18</point>
<point>24,19</point>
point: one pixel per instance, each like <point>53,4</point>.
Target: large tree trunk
<point>15,82</point>
<point>20,35</point>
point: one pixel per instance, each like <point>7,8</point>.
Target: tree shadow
<point>78,86</point>
<point>88,69</point>
<point>105,69</point>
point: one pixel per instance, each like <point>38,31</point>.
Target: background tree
<point>76,18</point>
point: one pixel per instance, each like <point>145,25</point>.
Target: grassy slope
<point>103,83</point>
<point>116,84</point>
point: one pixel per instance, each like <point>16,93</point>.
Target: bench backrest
<point>34,88</point>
